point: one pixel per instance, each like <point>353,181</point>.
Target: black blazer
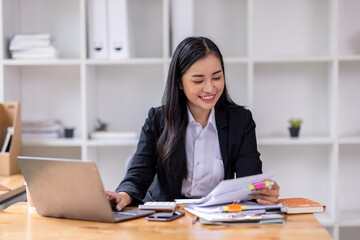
<point>236,132</point>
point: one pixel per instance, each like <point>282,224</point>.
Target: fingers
<point>120,206</point>
<point>118,200</point>
<point>275,186</point>
<point>264,202</point>
<point>267,196</point>
<point>265,199</point>
<point>123,200</point>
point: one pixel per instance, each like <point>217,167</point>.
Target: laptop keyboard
<point>128,214</point>
<point>123,214</point>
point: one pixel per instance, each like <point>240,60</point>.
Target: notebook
<point>66,188</point>
<point>301,205</point>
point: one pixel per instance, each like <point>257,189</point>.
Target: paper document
<point>250,206</point>
<point>228,191</point>
<point>253,215</point>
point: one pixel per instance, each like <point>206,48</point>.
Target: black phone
<point>165,216</point>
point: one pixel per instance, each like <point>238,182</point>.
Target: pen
<point>195,219</point>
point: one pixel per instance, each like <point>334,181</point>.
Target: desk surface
<point>18,223</point>
<point>15,184</point>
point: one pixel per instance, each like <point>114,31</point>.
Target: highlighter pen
<point>195,219</point>
<point>261,184</point>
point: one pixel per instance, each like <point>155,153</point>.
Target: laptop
<point>68,188</point>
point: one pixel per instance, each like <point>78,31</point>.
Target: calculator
<point>159,206</point>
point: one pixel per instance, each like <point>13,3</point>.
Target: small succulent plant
<point>102,126</point>
<point>295,122</point>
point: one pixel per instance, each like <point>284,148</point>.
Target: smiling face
<point>203,84</point>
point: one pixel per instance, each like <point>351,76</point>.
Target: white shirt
<point>205,165</point>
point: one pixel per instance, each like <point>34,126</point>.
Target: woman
<point>196,139</point>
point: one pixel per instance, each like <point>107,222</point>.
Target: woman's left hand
<point>267,196</point>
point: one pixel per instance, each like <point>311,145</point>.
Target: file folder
<point>97,29</point>
<point>182,21</point>
<point>118,40</point>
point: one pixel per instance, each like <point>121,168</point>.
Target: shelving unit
<point>283,59</point>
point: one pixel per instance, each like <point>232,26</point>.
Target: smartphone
<point>165,216</point>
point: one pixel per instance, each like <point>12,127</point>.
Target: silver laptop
<point>66,188</point>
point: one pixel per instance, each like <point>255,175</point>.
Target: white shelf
<point>61,142</point>
<point>130,61</point>
<point>349,58</point>
<point>349,219</point>
<point>111,143</point>
<point>349,140</point>
<point>273,141</point>
<point>294,59</point>
<point>42,62</point>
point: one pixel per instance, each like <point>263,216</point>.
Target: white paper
<point>228,191</point>
<point>249,207</point>
<point>253,215</point>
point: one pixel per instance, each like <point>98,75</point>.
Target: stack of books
<point>42,130</point>
<point>32,46</point>
<point>301,205</point>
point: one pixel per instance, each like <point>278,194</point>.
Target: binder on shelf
<point>118,40</point>
<point>182,21</point>
<point>97,29</point>
<point>10,118</point>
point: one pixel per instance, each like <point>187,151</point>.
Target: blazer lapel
<point>223,134</point>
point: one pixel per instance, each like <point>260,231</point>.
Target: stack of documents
<point>253,213</point>
<point>41,130</point>
<point>32,46</point>
<point>210,209</point>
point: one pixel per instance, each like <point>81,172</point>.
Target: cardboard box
<point>10,116</point>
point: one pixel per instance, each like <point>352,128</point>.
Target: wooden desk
<point>15,187</point>
<point>18,223</point>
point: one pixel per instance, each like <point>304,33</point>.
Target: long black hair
<point>171,144</point>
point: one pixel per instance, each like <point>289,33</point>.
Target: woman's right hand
<point>118,200</point>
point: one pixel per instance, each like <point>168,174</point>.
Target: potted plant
<point>102,126</point>
<point>294,128</point>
